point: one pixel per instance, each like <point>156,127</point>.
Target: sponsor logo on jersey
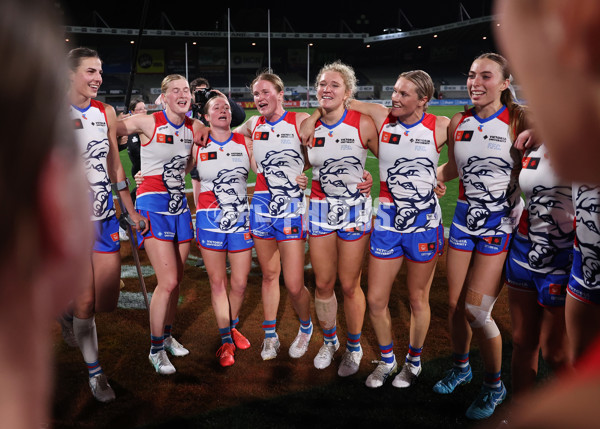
<point>426,247</point>
<point>496,241</point>
<point>480,128</point>
<point>258,135</point>
<point>464,136</point>
<point>390,138</point>
<point>319,142</point>
<point>208,156</point>
<point>330,133</point>
<point>290,230</point>
<point>164,138</point>
<point>78,124</point>
<point>236,154</point>
<point>531,163</point>
<point>99,124</point>
<point>420,141</point>
<point>286,136</point>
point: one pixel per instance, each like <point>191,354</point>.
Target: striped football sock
<point>387,353</point>
<point>353,343</point>
<point>461,361</point>
<point>414,355</point>
<point>269,327</point>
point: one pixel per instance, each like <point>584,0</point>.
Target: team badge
<point>531,163</point>
<point>464,136</point>
<point>319,142</point>
<point>390,138</point>
<point>261,135</point>
<point>164,138</point>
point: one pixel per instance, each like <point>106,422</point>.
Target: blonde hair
<point>269,76</point>
<point>347,73</point>
<point>168,79</point>
<point>422,82</point>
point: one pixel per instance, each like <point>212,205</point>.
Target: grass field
<point>447,203</point>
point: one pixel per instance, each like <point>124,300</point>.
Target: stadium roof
<point>331,17</point>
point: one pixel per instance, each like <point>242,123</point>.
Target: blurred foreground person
<point>47,233</point>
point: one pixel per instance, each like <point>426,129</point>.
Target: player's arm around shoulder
<point>246,128</point>
<point>141,124</point>
<point>368,133</point>
<point>441,131</point>
<point>449,170</point>
<point>378,112</point>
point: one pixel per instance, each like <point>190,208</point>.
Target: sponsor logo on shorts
<point>247,236</point>
<point>556,289</point>
<point>114,236</point>
<point>290,230</point>
<point>426,247</point>
<point>495,241</point>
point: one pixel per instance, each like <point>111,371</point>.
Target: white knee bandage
<point>326,311</point>
<point>479,313</point>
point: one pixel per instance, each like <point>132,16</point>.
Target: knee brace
<point>326,311</point>
<point>479,313</point>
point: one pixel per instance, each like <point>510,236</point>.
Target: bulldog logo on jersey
<point>410,200</point>
<point>390,138</point>
<point>588,238</point>
<point>97,176</point>
<point>333,177</point>
<point>478,175</point>
<point>283,191</point>
<point>173,179</point>
<point>546,237</point>
<point>230,192</point>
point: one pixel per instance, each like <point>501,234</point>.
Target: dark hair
<point>76,55</point>
<point>197,82</point>
<point>135,102</point>
<point>516,111</point>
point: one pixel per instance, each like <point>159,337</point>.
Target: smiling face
<point>218,112</point>
<point>177,97</point>
<point>86,78</point>
<point>331,90</point>
<point>405,99</point>
<point>266,98</point>
<point>485,82</point>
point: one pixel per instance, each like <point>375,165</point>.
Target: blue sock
<point>387,353</point>
<point>234,323</point>
<point>156,344</point>
<point>353,343</point>
<point>306,326</point>
<point>330,336</point>
<point>168,329</point>
<point>492,380</point>
<point>269,327</point>
<point>414,355</point>
<point>225,335</point>
<point>461,361</point>
<point>94,368</point>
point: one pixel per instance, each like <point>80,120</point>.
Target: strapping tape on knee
<point>479,313</point>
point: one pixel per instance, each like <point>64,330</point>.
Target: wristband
<point>119,186</point>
